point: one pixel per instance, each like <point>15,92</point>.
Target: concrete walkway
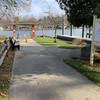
<point>40,74</point>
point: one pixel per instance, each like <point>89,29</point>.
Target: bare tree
<point>9,8</point>
<point>42,23</point>
<point>53,20</point>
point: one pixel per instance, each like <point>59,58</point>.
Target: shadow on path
<point>40,74</point>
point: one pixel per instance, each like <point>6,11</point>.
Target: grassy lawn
<point>59,43</point>
<point>3,98</point>
<point>91,72</point>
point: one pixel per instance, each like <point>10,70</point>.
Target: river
<point>76,32</point>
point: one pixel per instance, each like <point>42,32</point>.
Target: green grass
<point>60,43</point>
<point>70,46</point>
<point>92,73</point>
<point>45,40</point>
<point>1,98</point>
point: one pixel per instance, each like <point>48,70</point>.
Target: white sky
<point>40,7</point>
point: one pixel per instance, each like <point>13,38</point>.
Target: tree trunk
<point>55,35</point>
<point>71,29</point>
<point>62,26</point>
<point>43,32</point>
<point>82,31</point>
<point>89,30</point>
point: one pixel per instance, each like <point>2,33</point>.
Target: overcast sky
<point>40,7</point>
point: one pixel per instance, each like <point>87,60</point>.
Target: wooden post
<point>14,31</point>
<point>33,30</point>
<point>93,40</point>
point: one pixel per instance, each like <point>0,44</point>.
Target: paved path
<point>40,74</point>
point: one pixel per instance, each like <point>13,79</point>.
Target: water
<point>76,32</point>
<point>19,33</point>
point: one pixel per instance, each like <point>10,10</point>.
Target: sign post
<point>95,38</point>
<point>92,43</point>
<point>33,31</point>
<point>14,31</point>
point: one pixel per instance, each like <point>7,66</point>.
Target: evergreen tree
<point>97,11</point>
<point>79,12</point>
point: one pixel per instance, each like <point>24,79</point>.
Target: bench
<point>14,44</point>
<point>17,45</point>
